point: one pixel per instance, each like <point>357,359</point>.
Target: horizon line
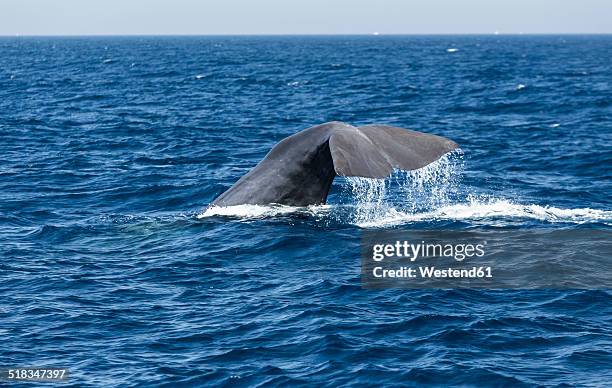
<point>379,34</point>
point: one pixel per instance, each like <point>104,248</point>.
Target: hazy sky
<point>85,17</point>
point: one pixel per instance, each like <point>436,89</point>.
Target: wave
<point>260,211</point>
<point>498,209</point>
<point>376,216</point>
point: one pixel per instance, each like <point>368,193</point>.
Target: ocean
<point>113,266</point>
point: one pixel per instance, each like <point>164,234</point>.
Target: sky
<point>208,17</point>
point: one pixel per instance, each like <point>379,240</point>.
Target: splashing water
<point>425,189</point>
<point>432,186</point>
<point>370,197</point>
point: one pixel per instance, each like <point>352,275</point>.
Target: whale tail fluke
<point>299,170</point>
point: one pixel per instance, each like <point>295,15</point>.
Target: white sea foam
<point>246,211</point>
<point>260,211</point>
<point>298,83</point>
<point>379,215</point>
<point>452,50</point>
<point>489,210</point>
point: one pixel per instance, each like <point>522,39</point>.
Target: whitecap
<point>452,50</point>
<point>476,209</point>
<point>259,211</point>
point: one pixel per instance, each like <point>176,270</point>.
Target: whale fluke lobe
<point>373,151</point>
<point>300,169</point>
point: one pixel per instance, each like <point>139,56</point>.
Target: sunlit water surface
<point>114,266</point>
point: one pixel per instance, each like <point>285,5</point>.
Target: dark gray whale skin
<point>299,170</point>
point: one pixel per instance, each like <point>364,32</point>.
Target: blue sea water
<point>112,148</point>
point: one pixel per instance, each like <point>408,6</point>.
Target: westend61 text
<point>432,272</point>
